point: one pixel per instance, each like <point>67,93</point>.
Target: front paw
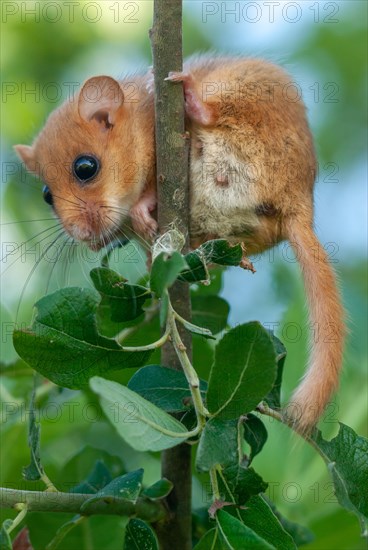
<point>143,223</point>
<point>177,76</point>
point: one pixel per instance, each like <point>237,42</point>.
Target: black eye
<point>47,196</point>
<point>85,167</point>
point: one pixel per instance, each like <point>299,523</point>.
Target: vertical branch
<point>173,209</point>
<point>171,143</point>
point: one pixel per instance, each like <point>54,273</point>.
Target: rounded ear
<point>26,155</point>
<point>100,99</point>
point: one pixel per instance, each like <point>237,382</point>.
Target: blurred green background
<point>48,49</point>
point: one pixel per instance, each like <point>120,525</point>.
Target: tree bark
<point>172,148</point>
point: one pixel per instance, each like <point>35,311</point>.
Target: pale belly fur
<point>223,190</point>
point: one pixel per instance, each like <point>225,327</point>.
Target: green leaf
<point>211,312</point>
<point>346,456</point>
<point>218,444</point>
<point>243,372</point>
<point>260,518</point>
<point>273,398</point>
<point>239,484</point>
<point>158,490</point>
<point>139,536</point>
<point>221,252</point>
<point>197,270</point>
<point>189,419</point>
<point>210,541</point>
<point>125,301</point>
<point>126,487</point>
<point>165,270</point>
<point>64,344</point>
<point>5,540</point>
<point>34,471</point>
<point>218,251</point>
<point>106,532</point>
<point>255,434</point>
<point>300,534</point>
<point>97,479</point>
<point>236,536</point>
<point>62,532</point>
<point>141,424</point>
<point>91,465</point>
<point>167,388</point>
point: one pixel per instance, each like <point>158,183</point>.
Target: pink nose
<point>81,233</point>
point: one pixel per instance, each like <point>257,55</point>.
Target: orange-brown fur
<point>252,172</point>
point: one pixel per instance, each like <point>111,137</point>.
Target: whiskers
<point>39,260</point>
<point>41,248</point>
<point>68,240</point>
<point>59,259</point>
<point>27,221</point>
<point>21,248</point>
<point>121,225</point>
<point>120,232</point>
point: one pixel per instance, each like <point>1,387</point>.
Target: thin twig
<point>44,501</point>
<point>263,408</point>
<point>188,369</point>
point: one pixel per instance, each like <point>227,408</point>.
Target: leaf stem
<point>50,487</point>
<point>188,368</point>
<point>19,518</point>
<point>214,483</point>
<point>200,330</point>
<point>160,342</point>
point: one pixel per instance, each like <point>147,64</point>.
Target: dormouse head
<point>85,157</point>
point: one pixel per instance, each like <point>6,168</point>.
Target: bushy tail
<point>328,328</point>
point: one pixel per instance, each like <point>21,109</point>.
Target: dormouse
<point>252,173</point>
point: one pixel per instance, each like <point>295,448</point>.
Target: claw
<point>177,76</point>
<point>142,221</point>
